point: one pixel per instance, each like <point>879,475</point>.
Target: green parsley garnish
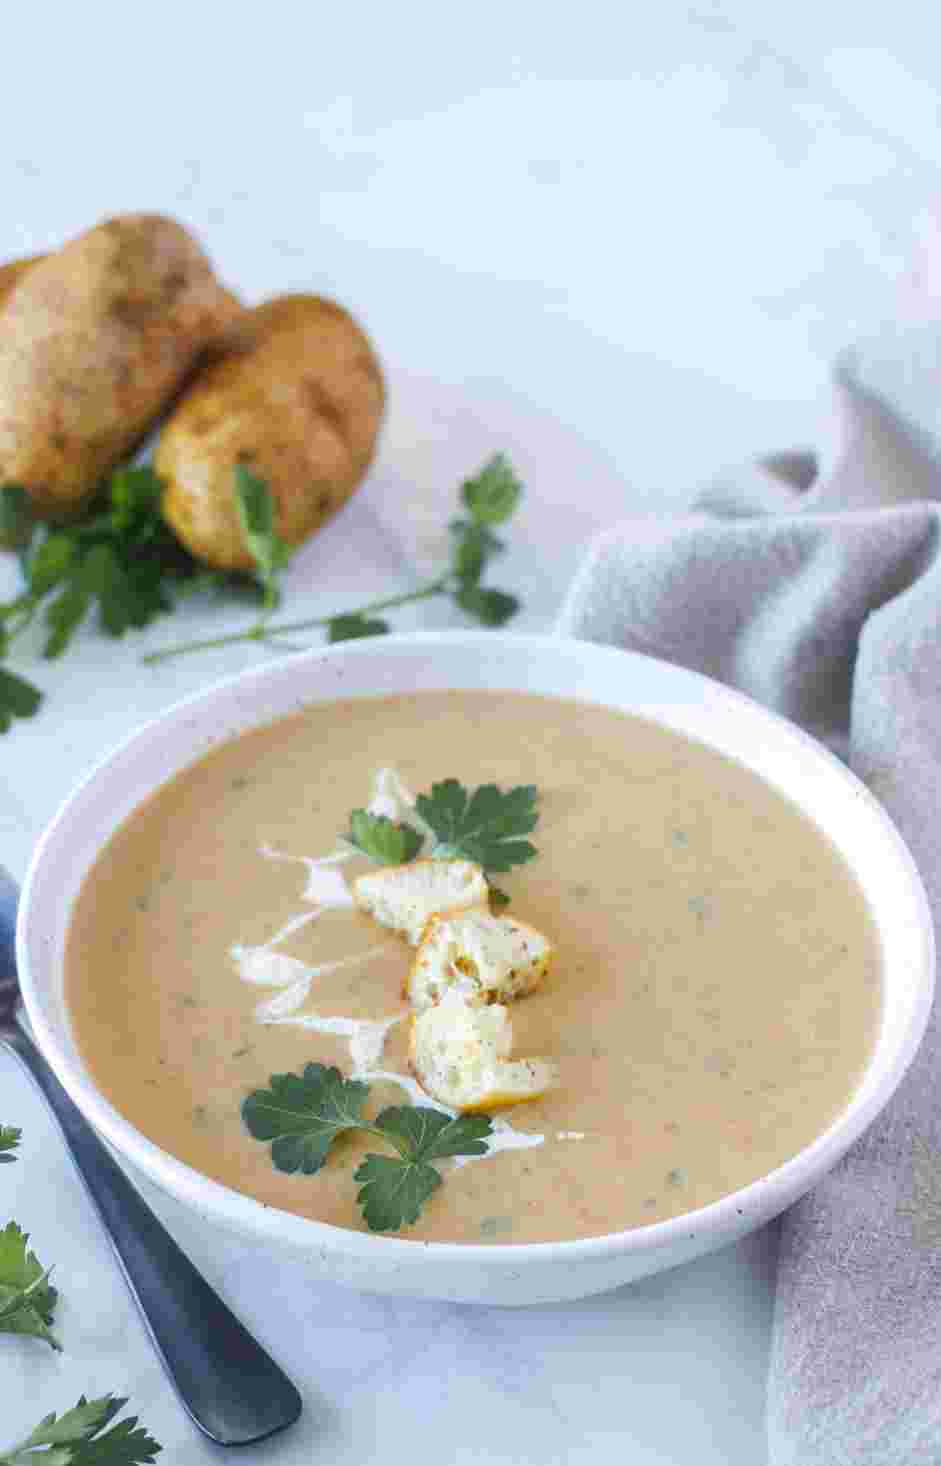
<point>16,520</point>
<point>484,826</point>
<point>18,698</point>
<point>303,1114</point>
<point>491,497</point>
<point>256,510</point>
<point>27,1301</point>
<point>489,607</point>
<point>122,561</point>
<point>80,1438</point>
<point>351,628</point>
<point>384,841</point>
<point>393,1189</point>
<point>9,1140</point>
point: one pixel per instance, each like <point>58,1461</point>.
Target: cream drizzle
<point>503,1136</point>
<point>391,798</point>
<point>367,1038</point>
<point>267,968</point>
<point>326,887</point>
<point>327,890</point>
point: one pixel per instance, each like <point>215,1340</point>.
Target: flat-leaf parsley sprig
<point>381,839</point>
<point>302,1115</point>
<point>81,1437</point>
<point>485,826</point>
<point>121,560</point>
<point>269,551</point>
<point>491,498</point>
<point>27,1301</point>
<point>9,1140</point>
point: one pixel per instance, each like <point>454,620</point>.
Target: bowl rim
<point>760,1199</point>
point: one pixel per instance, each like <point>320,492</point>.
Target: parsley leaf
<point>393,1189</point>
<point>484,826</point>
<point>474,546</point>
<point>256,511</point>
<point>135,495</point>
<point>384,841</point>
<point>129,591</point>
<point>9,1140</point>
<point>422,1134</point>
<point>492,497</point>
<point>120,556</point>
<point>16,517</point>
<point>80,1438</point>
<point>121,559</point>
<point>491,607</point>
<point>350,628</point>
<point>26,1299</point>
<point>18,698</point>
<point>303,1115</point>
<point>63,616</point>
<point>51,562</point>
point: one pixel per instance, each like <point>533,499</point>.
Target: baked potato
<point>95,340</point>
<point>13,271</point>
<point>297,397</point>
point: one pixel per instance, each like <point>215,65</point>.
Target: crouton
<point>460,1056</point>
<point>484,958</point>
<point>405,897</point>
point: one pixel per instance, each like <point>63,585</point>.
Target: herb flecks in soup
<point>713,999</point>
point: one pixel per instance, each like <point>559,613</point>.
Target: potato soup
<point>712,1002</point>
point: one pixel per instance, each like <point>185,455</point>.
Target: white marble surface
<point>622,245</point>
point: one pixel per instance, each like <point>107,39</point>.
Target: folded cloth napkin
<point>815,587</point>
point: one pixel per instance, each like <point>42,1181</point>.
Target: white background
<point>622,243</point>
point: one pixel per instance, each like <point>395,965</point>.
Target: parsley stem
<point>263,629</point>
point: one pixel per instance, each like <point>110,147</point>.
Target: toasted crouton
<point>484,958</point>
<point>405,897</point>
<point>460,1055</point>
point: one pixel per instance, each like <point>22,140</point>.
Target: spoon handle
<point>231,1388</point>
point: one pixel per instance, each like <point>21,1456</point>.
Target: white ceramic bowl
<point>507,1274</point>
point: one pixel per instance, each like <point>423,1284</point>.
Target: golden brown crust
<point>297,397</point>
<point>95,340</point>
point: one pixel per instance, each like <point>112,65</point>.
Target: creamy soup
<point>714,998</point>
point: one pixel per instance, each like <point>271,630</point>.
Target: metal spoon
<point>226,1382</point>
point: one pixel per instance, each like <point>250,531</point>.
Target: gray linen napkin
<point>816,588</point>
